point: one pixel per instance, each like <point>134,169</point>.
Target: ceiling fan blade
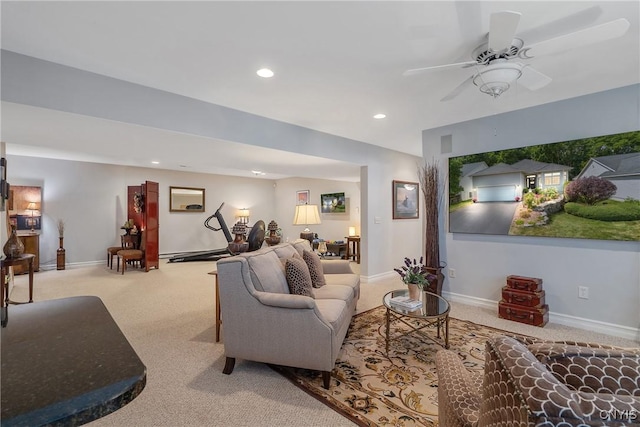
<point>580,19</point>
<point>436,67</point>
<point>533,79</point>
<point>502,29</point>
<point>458,90</point>
<point>598,33</point>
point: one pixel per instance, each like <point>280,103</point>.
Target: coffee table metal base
<point>441,324</point>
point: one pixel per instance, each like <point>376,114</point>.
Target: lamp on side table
<point>306,215</point>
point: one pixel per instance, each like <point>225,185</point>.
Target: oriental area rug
<point>373,388</point>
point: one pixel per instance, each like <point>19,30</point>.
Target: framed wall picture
<point>333,203</point>
<point>405,200</point>
<point>186,199</point>
<point>302,197</point>
<point>25,207</point>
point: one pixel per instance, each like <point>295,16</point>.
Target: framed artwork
<point>302,197</point>
<point>567,189</point>
<point>25,207</point>
<point>186,199</point>
<point>333,203</point>
<point>405,200</point>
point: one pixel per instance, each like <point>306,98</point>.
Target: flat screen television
<point>333,203</point>
<point>546,190</point>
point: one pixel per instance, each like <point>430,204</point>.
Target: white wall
<point>611,269</point>
<point>91,199</point>
<point>333,226</point>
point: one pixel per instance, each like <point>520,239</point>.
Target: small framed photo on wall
<point>405,200</point>
<point>302,197</point>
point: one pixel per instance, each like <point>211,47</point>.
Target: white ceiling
<point>336,65</point>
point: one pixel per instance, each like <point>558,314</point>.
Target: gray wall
<point>611,269</point>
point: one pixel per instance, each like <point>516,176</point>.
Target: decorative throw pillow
<point>298,277</point>
<point>315,268</point>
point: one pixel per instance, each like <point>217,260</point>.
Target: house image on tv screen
<point>506,183</point>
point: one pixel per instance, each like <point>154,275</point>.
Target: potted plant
<point>128,225</point>
<point>417,277</point>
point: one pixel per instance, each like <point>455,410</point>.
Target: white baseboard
<point>70,265</point>
<point>378,277</point>
<point>597,326</point>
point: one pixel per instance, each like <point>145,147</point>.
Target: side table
<point>5,263</point>
<point>353,248</point>
<point>218,320</point>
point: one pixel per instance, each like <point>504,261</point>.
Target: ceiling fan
<point>498,62</point>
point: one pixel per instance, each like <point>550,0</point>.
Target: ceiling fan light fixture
<point>497,77</point>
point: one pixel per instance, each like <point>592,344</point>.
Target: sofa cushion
<point>315,268</point>
<point>298,277</point>
<point>267,273</point>
<point>334,311</point>
<point>301,245</point>
<point>285,251</point>
<point>350,280</point>
<point>344,293</point>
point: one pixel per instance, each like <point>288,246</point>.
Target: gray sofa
<point>263,322</point>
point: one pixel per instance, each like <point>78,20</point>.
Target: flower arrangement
<point>413,272</point>
<point>60,228</point>
<point>128,225</point>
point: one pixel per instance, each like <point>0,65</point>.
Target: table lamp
<point>306,215</point>
<point>32,206</point>
<point>243,214</point>
<point>352,231</point>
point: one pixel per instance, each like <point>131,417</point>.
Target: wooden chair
<point>112,251</point>
<point>126,242</point>
<point>134,246</point>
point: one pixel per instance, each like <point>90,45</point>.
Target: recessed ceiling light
<point>257,172</point>
<point>264,72</point>
<point>379,116</point>
<point>155,162</point>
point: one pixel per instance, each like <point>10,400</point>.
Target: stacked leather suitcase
<point>523,301</point>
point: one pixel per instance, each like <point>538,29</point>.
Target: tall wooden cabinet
<point>31,242</point>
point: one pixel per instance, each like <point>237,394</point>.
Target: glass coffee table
<point>434,311</point>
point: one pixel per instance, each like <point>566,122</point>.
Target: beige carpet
<point>168,316</point>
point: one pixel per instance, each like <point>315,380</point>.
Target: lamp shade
<point>352,231</point>
<point>306,215</point>
<point>32,206</point>
<point>243,213</point>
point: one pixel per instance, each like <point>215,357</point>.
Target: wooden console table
<point>12,262</point>
<point>31,243</point>
<point>65,362</point>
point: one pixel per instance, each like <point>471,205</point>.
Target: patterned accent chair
<point>531,382</point>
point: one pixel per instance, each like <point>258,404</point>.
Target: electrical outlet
<point>583,292</point>
<point>452,273</point>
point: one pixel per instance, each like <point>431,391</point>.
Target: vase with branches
<point>429,176</point>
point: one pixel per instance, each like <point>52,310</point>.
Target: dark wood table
<point>65,362</point>
<point>5,263</point>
